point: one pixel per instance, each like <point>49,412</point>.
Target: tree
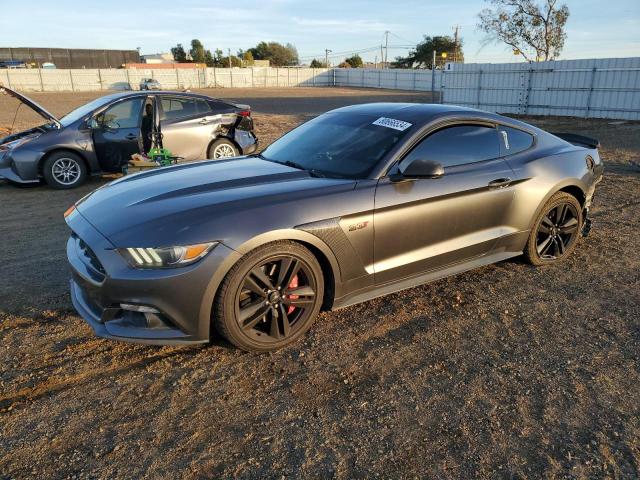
<point>208,59</point>
<point>277,54</point>
<point>422,55</point>
<point>530,29</point>
<point>355,61</point>
<point>197,51</point>
<point>317,64</point>
<point>179,55</point>
<point>247,58</point>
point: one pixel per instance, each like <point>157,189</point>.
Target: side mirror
<point>420,168</point>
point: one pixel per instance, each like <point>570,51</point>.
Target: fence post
<point>526,97</point>
<point>297,77</point>
<point>177,79</point>
<point>414,79</point>
<point>71,80</point>
<point>433,81</point>
<point>252,82</point>
<point>215,78</point>
<point>277,77</point>
<point>100,79</point>
<point>592,83</point>
<point>313,76</point>
<point>334,77</point>
<point>442,85</point>
<point>479,88</point>
<point>41,84</point>
<point>9,77</point>
<point>231,76</point>
<point>396,87</point>
<point>126,70</point>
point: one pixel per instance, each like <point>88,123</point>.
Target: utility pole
<point>326,57</point>
<point>229,52</point>
<point>375,62</point>
<point>386,49</point>
<point>455,43</point>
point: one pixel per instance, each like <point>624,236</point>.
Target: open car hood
<point>31,104</point>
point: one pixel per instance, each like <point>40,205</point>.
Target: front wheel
<point>270,297</point>
<point>556,230</point>
<point>222,148</point>
<point>64,170</point>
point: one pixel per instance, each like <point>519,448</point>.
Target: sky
<point>595,28</point>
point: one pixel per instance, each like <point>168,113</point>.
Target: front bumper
<point>104,288</point>
<point>9,171</point>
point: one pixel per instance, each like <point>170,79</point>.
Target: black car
<point>102,135</point>
<point>356,203</point>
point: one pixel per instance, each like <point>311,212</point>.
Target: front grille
<point>89,257</point>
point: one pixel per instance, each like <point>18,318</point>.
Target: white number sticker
<point>392,123</point>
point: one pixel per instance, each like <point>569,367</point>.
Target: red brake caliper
<point>292,285</point>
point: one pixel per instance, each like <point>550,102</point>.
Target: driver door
<point>116,135</point>
<point>427,223</point>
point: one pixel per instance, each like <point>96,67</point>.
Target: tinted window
<point>337,144</point>
<point>125,114</point>
<point>513,140</point>
<point>458,145</point>
<point>181,107</point>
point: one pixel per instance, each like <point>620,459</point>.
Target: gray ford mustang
<point>359,202</point>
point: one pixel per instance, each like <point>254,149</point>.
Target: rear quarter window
<point>513,140</point>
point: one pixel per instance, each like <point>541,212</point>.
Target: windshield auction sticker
<point>392,123</point>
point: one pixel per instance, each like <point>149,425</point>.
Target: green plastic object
<point>161,156</point>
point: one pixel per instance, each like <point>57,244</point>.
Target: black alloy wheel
<point>556,230</point>
<point>277,293</point>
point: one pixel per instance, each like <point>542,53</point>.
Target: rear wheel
<point>270,297</point>
<point>64,170</point>
<point>222,148</point>
<point>556,230</point>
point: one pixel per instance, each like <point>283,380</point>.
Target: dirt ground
<point>508,371</point>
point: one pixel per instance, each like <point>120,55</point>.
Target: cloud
<point>343,25</point>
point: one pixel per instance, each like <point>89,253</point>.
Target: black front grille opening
<point>90,256</point>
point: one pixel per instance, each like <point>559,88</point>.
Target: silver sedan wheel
<point>66,171</point>
<point>223,151</point>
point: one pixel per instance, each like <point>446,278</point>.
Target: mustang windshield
<point>338,144</point>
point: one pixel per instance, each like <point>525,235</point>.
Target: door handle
<point>500,183</point>
<point>131,136</point>
<point>204,121</point>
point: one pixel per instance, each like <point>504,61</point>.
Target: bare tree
<point>530,29</point>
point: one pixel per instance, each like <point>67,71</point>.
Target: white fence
<point>600,88</point>
<point>43,80</point>
<point>604,88</point>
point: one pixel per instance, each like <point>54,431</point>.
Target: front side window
<point>458,145</point>
<point>125,114</point>
<point>337,145</point>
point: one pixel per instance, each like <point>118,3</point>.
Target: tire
<point>64,170</point>
<point>251,304</point>
<point>552,239</point>
<point>222,148</point>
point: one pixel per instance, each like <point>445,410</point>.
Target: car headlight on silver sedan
<point>166,257</point>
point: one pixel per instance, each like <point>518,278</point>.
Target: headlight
<point>16,143</point>
<point>166,257</point>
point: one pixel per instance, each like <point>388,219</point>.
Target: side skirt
<point>410,282</point>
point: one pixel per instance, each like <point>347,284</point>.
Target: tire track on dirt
<point>56,385</point>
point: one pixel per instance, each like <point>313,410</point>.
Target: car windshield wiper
<point>312,171</point>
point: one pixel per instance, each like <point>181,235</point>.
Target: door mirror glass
<point>93,123</point>
<point>422,168</point>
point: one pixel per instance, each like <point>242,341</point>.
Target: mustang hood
<point>204,201</point>
<point>40,110</point>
